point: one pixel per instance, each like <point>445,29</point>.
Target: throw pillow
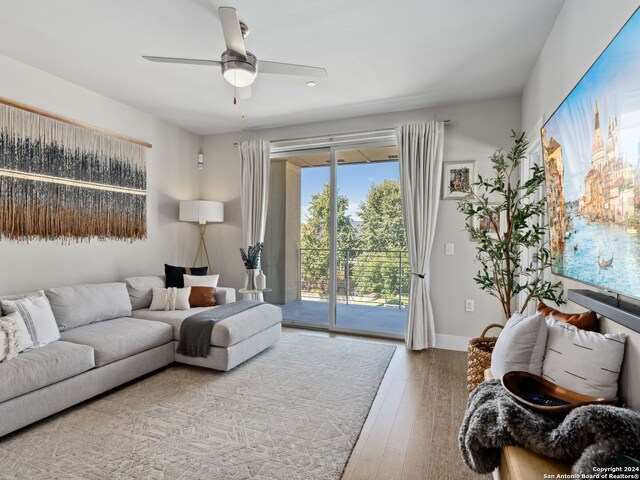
<point>200,280</point>
<point>581,361</point>
<point>585,321</point>
<point>520,346</point>
<point>170,298</point>
<point>174,274</point>
<point>36,313</point>
<point>202,297</point>
<point>14,336</point>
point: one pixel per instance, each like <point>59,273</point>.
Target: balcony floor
<point>360,317</point>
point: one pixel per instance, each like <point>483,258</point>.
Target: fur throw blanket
<point>593,435</point>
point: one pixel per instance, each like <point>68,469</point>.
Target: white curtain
<point>254,172</point>
<point>420,154</point>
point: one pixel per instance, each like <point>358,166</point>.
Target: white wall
<point>171,175</point>
<point>582,31</point>
<point>477,130</point>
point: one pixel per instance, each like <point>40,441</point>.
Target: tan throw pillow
<point>202,297</point>
<point>585,321</point>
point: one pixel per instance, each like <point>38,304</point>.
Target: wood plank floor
<point>412,429</point>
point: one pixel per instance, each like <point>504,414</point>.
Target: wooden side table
<point>254,294</point>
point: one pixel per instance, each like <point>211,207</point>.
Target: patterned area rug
<point>293,412</point>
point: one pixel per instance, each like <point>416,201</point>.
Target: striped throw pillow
<point>36,313</point>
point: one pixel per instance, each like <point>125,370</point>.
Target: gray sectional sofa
<point>110,337</point>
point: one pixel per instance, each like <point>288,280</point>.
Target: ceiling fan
<point>240,67</point>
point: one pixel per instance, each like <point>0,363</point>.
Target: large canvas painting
<point>59,181</point>
<point>591,147</point>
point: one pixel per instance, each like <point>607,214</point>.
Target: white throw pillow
<point>201,280</point>
<point>581,361</point>
<point>520,346</point>
<point>170,298</point>
<point>14,336</point>
<point>36,313</point>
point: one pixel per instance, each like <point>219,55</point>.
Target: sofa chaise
<point>108,336</point>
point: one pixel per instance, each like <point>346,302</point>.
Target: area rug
<point>293,412</point>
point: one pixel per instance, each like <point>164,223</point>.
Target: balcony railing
<point>364,277</point>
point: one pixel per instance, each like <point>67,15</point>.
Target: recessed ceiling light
<point>311,84</point>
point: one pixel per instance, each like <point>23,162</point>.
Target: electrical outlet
<point>448,248</point>
<point>469,305</point>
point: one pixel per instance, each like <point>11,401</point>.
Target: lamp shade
<point>201,211</point>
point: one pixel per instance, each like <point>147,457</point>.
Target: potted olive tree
<point>504,217</point>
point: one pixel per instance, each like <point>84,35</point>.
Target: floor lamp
<point>202,212</point>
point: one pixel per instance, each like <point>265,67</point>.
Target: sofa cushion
<point>14,336</point>
<point>38,368</point>
<point>85,304</point>
<point>141,289</point>
<point>520,345</point>
<point>584,362</point>
<point>119,338</point>
<point>226,332</point>
<point>170,298</point>
<point>37,315</point>
<point>174,275</point>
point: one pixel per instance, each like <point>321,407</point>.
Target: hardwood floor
<point>412,429</point>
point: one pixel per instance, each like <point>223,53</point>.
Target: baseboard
<point>452,342</point>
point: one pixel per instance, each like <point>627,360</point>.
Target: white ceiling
<point>381,55</point>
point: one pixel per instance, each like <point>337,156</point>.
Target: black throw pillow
<point>175,274</point>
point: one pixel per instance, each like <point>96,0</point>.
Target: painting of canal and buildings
<point>591,150</point>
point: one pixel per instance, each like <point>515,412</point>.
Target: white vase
<point>261,281</point>
<point>251,279</point>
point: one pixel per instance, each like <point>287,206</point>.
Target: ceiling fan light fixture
<point>238,71</point>
<point>239,77</point>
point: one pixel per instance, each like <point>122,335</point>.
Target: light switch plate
<point>448,248</point>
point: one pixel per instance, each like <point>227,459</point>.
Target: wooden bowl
<point>543,396</point>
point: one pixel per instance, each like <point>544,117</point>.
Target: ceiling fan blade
<point>231,31</point>
<point>244,92</point>
<point>187,61</point>
<point>278,68</point>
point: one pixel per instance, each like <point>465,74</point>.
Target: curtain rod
<point>60,118</point>
<point>332,136</point>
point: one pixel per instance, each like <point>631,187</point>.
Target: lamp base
<point>202,249</point>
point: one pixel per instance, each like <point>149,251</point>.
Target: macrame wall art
<point>65,181</point>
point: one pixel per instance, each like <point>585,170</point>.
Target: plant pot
<point>251,278</point>
<point>479,357</point>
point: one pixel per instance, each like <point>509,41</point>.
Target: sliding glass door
<point>337,213</point>
<point>372,282</point>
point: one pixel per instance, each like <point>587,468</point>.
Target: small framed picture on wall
<point>457,179</point>
<point>490,225</point>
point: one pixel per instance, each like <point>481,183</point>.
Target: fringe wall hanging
<point>62,181</point>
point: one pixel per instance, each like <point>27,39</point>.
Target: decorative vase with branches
<point>514,221</point>
<point>251,260</point>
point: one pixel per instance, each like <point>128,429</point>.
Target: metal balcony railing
<point>364,277</point>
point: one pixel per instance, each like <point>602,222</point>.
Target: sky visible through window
<point>354,181</point>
